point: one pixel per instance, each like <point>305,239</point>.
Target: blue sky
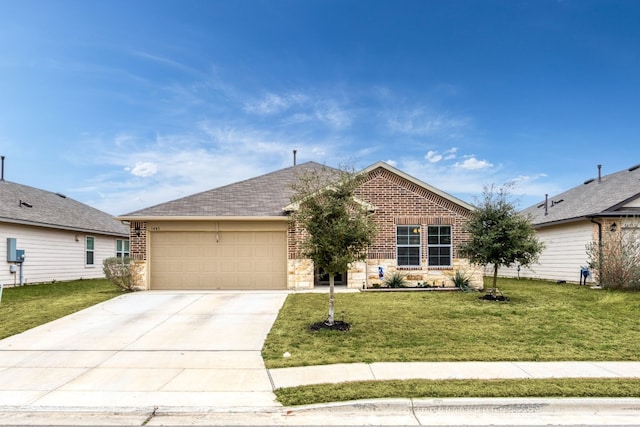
<point>126,104</point>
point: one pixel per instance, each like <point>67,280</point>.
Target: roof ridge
<point>222,188</point>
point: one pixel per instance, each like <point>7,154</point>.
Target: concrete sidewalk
<point>291,377</point>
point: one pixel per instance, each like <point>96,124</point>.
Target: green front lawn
<point>543,321</point>
<point>29,306</point>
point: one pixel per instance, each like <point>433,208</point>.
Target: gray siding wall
<point>564,254</point>
<point>52,254</point>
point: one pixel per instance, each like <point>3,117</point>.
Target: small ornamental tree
<point>499,235</point>
<point>336,229</point>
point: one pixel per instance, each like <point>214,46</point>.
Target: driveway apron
<point>146,349</point>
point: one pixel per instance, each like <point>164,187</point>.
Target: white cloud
<point>450,153</point>
<point>419,122</point>
<point>144,169</point>
<point>433,157</point>
<point>472,163</point>
<point>272,103</point>
<point>332,115</point>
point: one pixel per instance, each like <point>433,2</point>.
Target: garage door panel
<point>237,260</point>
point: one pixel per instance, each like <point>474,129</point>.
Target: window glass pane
<point>414,237</point>
<point>126,247</point>
<point>408,245</point>
<point>89,258</point>
<point>439,245</point>
<point>89,243</point>
<point>118,245</point>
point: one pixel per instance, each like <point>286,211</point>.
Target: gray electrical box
<point>19,255</point>
<point>12,256</point>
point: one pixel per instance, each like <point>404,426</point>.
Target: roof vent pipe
<point>2,175</point>
<point>599,173</point>
<point>294,157</point>
<point>546,204</point>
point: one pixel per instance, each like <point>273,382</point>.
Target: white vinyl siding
<point>563,255</point>
<point>53,255</point>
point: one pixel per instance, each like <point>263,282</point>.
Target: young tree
<point>337,229</point>
<point>499,235</point>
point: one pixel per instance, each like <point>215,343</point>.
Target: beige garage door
<point>226,260</point>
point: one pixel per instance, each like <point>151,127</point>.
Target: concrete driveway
<point>146,349</point>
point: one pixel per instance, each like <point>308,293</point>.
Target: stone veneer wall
<point>138,249</point>
<point>398,202</point>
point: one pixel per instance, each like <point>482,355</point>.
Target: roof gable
<point>22,204</point>
<point>426,188</point>
<point>613,194</point>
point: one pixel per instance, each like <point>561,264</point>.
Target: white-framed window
<point>90,247</point>
<point>408,245</point>
<point>122,248</point>
<point>439,247</point>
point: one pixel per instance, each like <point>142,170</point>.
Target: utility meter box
<point>12,256</point>
<point>19,255</point>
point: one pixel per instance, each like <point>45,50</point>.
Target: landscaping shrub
<point>396,280</point>
<point>123,273</point>
<point>615,263</point>
<point>461,280</point>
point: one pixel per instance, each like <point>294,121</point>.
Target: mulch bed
<point>338,325</point>
<point>489,297</point>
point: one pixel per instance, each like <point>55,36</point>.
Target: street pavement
<point>193,358</point>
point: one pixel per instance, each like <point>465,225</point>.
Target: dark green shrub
<point>396,280</point>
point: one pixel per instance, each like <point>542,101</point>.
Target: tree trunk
<point>494,291</point>
<point>331,318</point>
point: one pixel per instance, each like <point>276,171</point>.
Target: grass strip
<point>25,307</point>
<point>565,387</point>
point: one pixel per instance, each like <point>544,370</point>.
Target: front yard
<point>543,321</point>
<point>29,306</point>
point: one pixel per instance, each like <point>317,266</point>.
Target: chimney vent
<point>546,204</point>
<point>2,173</point>
<point>599,173</point>
<point>295,152</point>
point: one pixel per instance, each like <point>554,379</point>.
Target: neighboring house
<point>239,236</point>
<point>568,222</point>
<point>62,239</point>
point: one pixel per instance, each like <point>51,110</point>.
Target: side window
<point>122,248</point>
<point>439,245</point>
<point>89,250</point>
<point>408,245</point>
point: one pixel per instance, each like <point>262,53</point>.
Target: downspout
<point>599,247</point>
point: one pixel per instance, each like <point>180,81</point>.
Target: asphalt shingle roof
<point>592,198</point>
<point>27,205</point>
<point>262,196</point>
